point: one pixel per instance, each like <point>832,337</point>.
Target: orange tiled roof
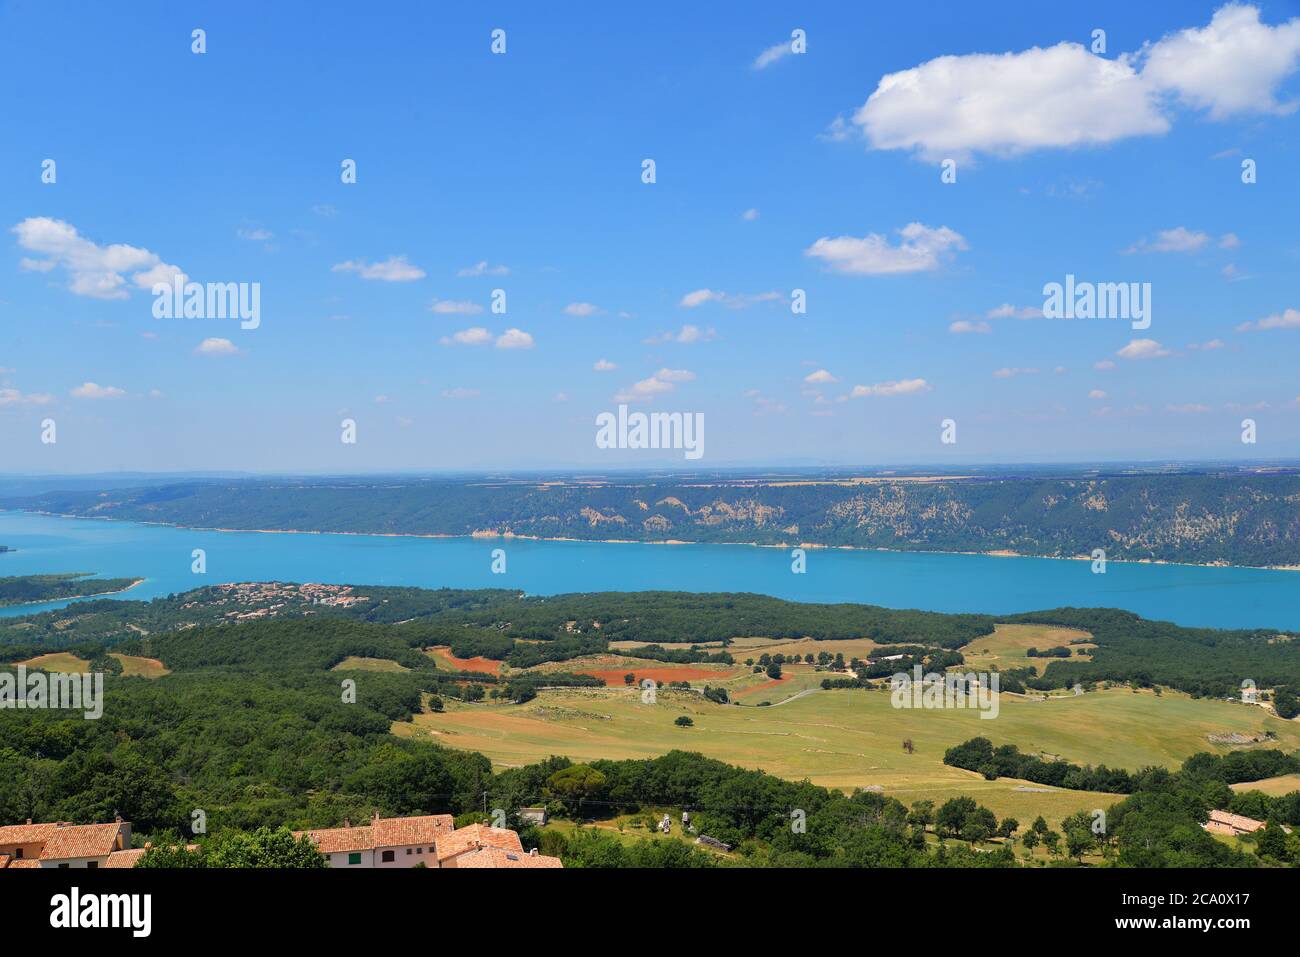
<point>124,858</point>
<point>500,857</point>
<point>340,840</point>
<point>477,836</point>
<point>399,831</point>
<point>24,862</point>
<point>81,840</point>
<point>26,833</point>
<point>1235,821</point>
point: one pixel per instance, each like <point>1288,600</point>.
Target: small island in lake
<point>27,589</point>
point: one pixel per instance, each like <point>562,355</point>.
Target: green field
<point>848,739</point>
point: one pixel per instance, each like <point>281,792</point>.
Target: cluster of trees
<point>24,589</point>
<point>1007,761</point>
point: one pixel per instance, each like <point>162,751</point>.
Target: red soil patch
<point>485,666</point>
<point>614,676</point>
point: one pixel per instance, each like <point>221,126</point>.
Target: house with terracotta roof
<point>1221,822</point>
<point>432,840</point>
<point>62,844</point>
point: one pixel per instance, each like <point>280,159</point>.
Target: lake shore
<point>508,536</point>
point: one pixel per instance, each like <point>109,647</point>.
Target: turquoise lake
<point>1215,597</point>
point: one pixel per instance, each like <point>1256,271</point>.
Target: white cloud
<point>1229,241</point>
<point>663,381</point>
<point>1105,365</point>
<point>455,307</point>
<point>474,336</point>
<point>1233,65</point>
<point>1205,346</point>
<point>214,346</point>
<point>604,365</point>
<point>1287,319</point>
<point>921,248</point>
<point>481,268</point>
<point>94,271</point>
<point>1011,373</point>
<point>1180,239</point>
<point>1096,394</point>
<point>733,301</point>
<point>961,326</point>
<point>749,215</point>
<point>1008,311</point>
<point>10,396</point>
<point>1190,407</point>
<point>514,339</point>
<point>820,377</point>
<point>459,393</point>
<point>684,336</point>
<point>392,269</point>
<point>581,309</point>
<point>92,390</point>
<point>1063,96</point>
<point>1143,349</point>
<point>256,235</point>
<point>774,53</point>
<point>903,387</point>
<point>1009,103</point>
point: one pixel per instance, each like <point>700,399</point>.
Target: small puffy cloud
<point>1096,394</point>
<point>581,309</point>
<point>820,377</point>
<point>514,339</point>
<point>1187,408</point>
<point>481,268</point>
<point>256,235</point>
<point>902,387</point>
<point>663,381</point>
<point>698,298</point>
<point>455,307</point>
<point>92,390</point>
<point>392,269</point>
<point>749,215</point>
<point>1233,65</point>
<point>459,393</point>
<point>1287,319</point>
<point>1011,373</point>
<point>964,326</point>
<point>1180,239</point>
<point>1229,241</point>
<point>603,365</point>
<point>1206,346</point>
<point>214,346</point>
<point>474,336</point>
<point>1143,349</point>
<point>95,271</point>
<point>1105,365</point>
<point>921,249</point>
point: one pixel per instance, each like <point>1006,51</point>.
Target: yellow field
<point>1283,784</point>
<point>354,663</point>
<point>70,664</point>
<point>847,739</point>
<point>1007,645</point>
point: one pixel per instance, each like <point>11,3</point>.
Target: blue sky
<point>522,172</point>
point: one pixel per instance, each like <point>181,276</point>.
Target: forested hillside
<point>1230,517</point>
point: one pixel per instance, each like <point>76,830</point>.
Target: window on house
<point>388,857</point>
<point>408,852</point>
<point>19,852</point>
<point>64,864</point>
<point>419,850</point>
<point>354,858</point>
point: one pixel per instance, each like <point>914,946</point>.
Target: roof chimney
<point>347,822</point>
<point>374,819</point>
<point>533,852</point>
<point>29,820</point>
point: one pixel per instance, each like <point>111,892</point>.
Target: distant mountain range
<point>1229,517</point>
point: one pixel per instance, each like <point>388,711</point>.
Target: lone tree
<point>908,746</point>
<point>684,722</point>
